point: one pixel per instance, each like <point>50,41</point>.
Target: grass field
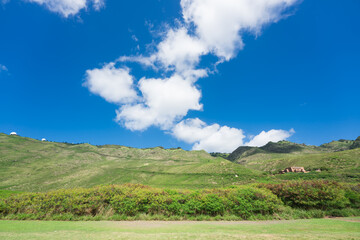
<point>339,228</point>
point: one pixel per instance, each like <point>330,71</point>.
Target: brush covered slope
<point>338,159</point>
<point>286,148</point>
<point>31,165</point>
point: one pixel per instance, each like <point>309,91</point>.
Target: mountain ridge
<point>287,147</point>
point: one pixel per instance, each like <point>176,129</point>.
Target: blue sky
<point>291,72</point>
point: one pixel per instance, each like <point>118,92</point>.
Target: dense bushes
<point>301,198</point>
<point>352,192</point>
<point>313,194</point>
<point>137,199</point>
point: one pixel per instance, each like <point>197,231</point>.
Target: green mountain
<point>271,150</point>
<point>31,165</point>
<point>337,157</point>
<point>340,145</point>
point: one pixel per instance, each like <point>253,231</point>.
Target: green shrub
<point>249,201</point>
<point>315,194</point>
<point>347,212</point>
<point>132,200</point>
<point>213,204</point>
<point>352,192</point>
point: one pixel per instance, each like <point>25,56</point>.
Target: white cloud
<point>68,7</point>
<point>216,138</point>
<point>163,102</point>
<point>208,27</point>
<point>219,24</point>
<point>271,136</point>
<point>180,50</point>
<point>211,138</point>
<point>145,61</point>
<point>115,85</point>
<point>3,68</point>
<point>98,4</point>
<point>218,29</point>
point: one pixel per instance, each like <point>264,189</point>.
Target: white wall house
<point>43,139</point>
<point>13,133</point>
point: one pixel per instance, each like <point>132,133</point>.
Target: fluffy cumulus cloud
<point>115,85</point>
<point>270,136</point>
<point>207,27</point>
<point>180,50</point>
<point>68,7</point>
<point>219,24</point>
<point>216,138</point>
<point>160,101</point>
<point>164,101</point>
<point>211,138</point>
<point>212,27</point>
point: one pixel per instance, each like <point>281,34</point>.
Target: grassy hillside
<point>274,150</point>
<point>31,165</point>
<point>286,149</point>
<point>338,160</point>
<point>334,161</point>
<point>340,145</point>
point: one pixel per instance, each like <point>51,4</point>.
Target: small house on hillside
<point>294,169</point>
<point>13,134</point>
<point>43,140</point>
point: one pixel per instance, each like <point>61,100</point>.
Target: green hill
<point>340,145</point>
<point>285,149</point>
<point>332,161</point>
<point>31,165</point>
<point>337,159</point>
<point>272,150</point>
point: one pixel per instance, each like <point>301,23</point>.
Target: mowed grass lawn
<point>339,228</point>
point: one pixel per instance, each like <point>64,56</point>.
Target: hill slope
<point>31,165</point>
<point>286,149</point>
<point>338,158</point>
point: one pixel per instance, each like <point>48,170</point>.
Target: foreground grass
<point>340,228</point>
